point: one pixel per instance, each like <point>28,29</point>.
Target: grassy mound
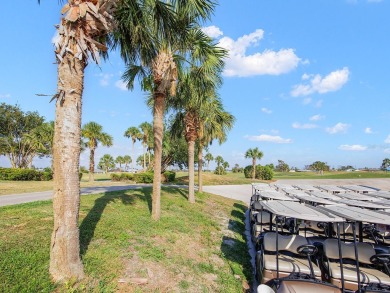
<point>193,248</point>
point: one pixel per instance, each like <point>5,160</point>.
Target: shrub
<point>115,177</point>
<point>262,172</point>
<point>220,170</point>
<point>47,174</point>
<point>146,177</point>
<point>122,177</point>
<point>25,174</point>
<point>170,176</point>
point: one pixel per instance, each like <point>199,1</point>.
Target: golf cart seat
<point>261,218</point>
<point>368,274</point>
<point>289,261</point>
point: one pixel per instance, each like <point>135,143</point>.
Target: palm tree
<point>214,124</point>
<point>134,134</point>
<point>94,134</point>
<point>127,160</point>
<point>225,165</point>
<point>146,131</point>
<point>120,160</point>
<point>81,33</point>
<point>208,157</point>
<point>158,31</point>
<point>106,163</point>
<point>219,160</point>
<point>254,154</point>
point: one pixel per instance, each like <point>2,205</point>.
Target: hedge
<point>262,172</point>
<point>144,177</point>
<point>25,174</point>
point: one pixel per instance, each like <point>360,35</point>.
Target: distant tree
<point>208,157</point>
<point>319,167</point>
<point>17,140</point>
<point>344,168</point>
<point>140,160</point>
<point>120,160</point>
<point>219,160</point>
<point>236,168</point>
<point>134,134</point>
<point>94,134</point>
<point>147,130</point>
<point>225,165</point>
<point>385,164</point>
<point>106,163</point>
<point>282,166</point>
<point>254,154</point>
<point>127,160</point>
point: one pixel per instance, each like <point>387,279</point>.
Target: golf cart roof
<point>357,196</point>
<point>332,188</point>
<point>381,193</point>
<point>275,195</point>
<point>363,204</point>
<point>306,187</point>
<point>314,199</point>
<point>358,188</point>
<point>299,211</point>
<point>324,195</point>
<point>358,214</point>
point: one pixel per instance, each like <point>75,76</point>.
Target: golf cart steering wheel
<point>382,258</point>
<point>368,229</point>
<point>308,249</point>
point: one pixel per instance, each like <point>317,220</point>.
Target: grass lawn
<point>193,248</point>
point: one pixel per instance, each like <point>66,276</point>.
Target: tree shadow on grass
<point>176,190</point>
<point>89,223</point>
<point>236,250</point>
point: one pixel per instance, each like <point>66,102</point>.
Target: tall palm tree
<point>106,163</point>
<point>120,160</point>
<point>127,160</point>
<point>219,160</point>
<point>208,157</point>
<point>214,125</point>
<point>158,31</point>
<point>94,134</point>
<point>134,134</point>
<point>81,34</point>
<point>254,154</point>
<point>146,128</point>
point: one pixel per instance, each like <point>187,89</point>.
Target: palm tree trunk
<point>91,164</point>
<point>253,169</point>
<point>144,157</point>
<point>132,162</point>
<point>65,262</point>
<point>191,171</point>
<point>158,125</point>
<point>200,167</point>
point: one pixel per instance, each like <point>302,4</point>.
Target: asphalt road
<point>11,199</point>
<point>238,192</point>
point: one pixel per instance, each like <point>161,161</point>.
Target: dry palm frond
<point>84,23</point>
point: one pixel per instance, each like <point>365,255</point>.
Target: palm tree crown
<point>254,154</point>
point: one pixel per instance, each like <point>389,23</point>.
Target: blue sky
<point>306,80</point>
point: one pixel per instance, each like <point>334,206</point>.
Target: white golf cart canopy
<point>299,211</point>
<point>358,214</point>
<point>275,195</point>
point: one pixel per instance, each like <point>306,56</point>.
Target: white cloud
<point>105,79</point>
<point>270,138</point>
<point>304,126</point>
<point>267,62</point>
<point>387,151</point>
<point>368,130</point>
<point>318,104</point>
<point>5,96</point>
<point>338,128</point>
<point>354,147</point>
<point>212,31</point>
<point>318,84</point>
<point>121,85</point>
<point>317,117</point>
<point>266,110</point>
<point>387,140</point>
<point>307,101</point>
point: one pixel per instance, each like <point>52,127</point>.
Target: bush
<point>220,171</point>
<point>25,174</point>
<point>146,177</point>
<point>170,176</point>
<point>122,177</point>
<point>262,172</point>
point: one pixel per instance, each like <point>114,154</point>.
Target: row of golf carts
<point>321,238</point>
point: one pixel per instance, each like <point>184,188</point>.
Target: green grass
<point>193,248</point>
